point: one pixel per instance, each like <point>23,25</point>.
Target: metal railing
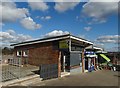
<point>15,70</point>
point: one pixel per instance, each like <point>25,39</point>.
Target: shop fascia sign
<point>89,52</point>
<point>63,44</point>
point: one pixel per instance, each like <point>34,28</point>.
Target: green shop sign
<point>63,44</point>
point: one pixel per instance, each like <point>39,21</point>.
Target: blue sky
<point>95,21</point>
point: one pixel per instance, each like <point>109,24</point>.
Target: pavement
<point>96,78</point>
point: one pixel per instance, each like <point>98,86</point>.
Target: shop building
<point>91,58</point>
<point>67,51</point>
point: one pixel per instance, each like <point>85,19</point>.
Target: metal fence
<point>14,70</point>
<point>48,71</point>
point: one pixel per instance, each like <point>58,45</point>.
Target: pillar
<point>59,65</point>
<point>94,63</point>
<point>83,61</point>
<point>69,45</point>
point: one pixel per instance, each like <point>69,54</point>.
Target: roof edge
<point>48,39</point>
<point>42,39</point>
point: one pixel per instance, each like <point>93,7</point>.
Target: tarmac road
<point>96,78</point>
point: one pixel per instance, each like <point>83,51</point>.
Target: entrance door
<point>86,63</point>
<point>65,62</point>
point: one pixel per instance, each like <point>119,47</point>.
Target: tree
<point>7,51</point>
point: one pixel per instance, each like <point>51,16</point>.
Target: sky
<point>94,21</point>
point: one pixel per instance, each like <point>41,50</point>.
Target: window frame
<point>18,53</point>
<point>24,53</point>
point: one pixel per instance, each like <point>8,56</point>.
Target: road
<point>96,78</point>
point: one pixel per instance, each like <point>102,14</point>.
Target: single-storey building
<point>67,51</point>
<point>91,58</point>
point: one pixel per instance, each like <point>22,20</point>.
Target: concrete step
<point>65,74</point>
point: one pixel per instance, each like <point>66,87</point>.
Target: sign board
<point>105,57</point>
<point>89,52</point>
<point>63,44</point>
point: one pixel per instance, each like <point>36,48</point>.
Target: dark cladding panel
<point>75,59</point>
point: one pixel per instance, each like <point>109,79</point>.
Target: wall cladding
<point>75,59</point>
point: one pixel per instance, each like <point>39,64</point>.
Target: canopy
<point>105,57</point>
<point>91,55</point>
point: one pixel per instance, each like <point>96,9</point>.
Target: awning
<point>91,55</point>
<point>105,57</point>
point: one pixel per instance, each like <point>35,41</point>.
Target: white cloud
<point>48,17</point>
<point>28,23</point>
<point>11,36</point>
<point>109,39</point>
<point>45,17</point>
<point>101,45</point>
<point>56,33</point>
<point>11,32</point>
<point>87,28</point>
<point>82,36</point>
<point>114,49</point>
<point>99,11</point>
<point>108,42</point>
<point>11,13</point>
<point>64,6</point>
<point>1,24</point>
<point>39,5</point>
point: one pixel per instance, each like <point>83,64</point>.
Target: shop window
<point>19,53</point>
<point>76,48</point>
<point>25,53</point>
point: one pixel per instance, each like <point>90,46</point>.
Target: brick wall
<point>41,53</point>
<point>44,54</point>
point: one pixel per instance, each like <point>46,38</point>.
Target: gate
<point>48,71</point>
